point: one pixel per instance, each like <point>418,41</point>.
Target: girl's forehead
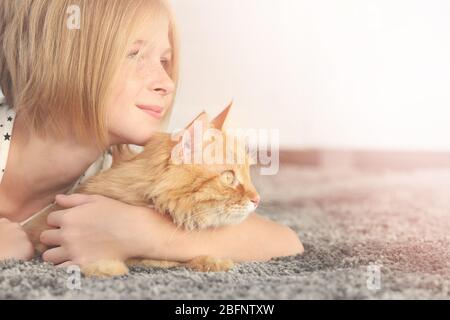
<point>151,27</point>
<point>151,37</point>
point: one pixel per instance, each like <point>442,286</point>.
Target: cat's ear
<point>218,121</point>
<point>188,138</point>
<point>201,121</point>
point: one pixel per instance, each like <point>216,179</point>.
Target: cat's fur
<point>195,195</point>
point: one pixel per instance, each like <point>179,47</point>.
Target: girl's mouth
<point>154,111</point>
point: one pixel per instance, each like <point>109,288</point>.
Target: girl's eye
<point>133,54</point>
<point>229,178</point>
<point>165,62</point>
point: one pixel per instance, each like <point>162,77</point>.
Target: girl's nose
<point>156,78</point>
<point>163,85</point>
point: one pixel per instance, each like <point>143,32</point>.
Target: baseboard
<point>395,160</point>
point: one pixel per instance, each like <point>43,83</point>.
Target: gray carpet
<point>347,220</point>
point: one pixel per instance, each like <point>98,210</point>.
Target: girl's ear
<point>220,119</point>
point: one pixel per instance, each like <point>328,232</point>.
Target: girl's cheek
<point>126,93</point>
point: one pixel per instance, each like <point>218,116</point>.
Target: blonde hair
<point>59,79</point>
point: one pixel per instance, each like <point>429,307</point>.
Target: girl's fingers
<point>56,255</point>
<point>54,219</point>
<point>73,200</point>
<point>51,237</point>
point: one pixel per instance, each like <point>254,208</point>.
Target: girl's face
<point>143,91</point>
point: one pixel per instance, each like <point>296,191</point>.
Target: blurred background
<point>348,75</point>
<point>344,82</point>
<point>360,93</point>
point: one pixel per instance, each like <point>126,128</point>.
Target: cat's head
<point>218,190</point>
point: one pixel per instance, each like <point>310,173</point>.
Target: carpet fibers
<point>367,235</point>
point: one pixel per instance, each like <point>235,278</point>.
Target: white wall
<point>334,74</point>
<point>348,73</point>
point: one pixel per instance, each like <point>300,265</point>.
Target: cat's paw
<point>105,269</point>
<point>152,263</point>
<point>208,263</point>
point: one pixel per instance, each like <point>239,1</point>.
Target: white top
<point>7,116</point>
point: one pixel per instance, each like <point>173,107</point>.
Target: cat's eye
<point>229,178</point>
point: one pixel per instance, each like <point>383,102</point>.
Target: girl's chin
<point>140,139</point>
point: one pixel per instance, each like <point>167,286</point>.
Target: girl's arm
<point>94,227</point>
<point>14,243</point>
<point>254,239</point>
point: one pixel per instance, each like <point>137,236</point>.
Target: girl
<point>72,93</point>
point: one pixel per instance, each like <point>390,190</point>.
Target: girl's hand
<point>14,242</point>
<point>92,228</point>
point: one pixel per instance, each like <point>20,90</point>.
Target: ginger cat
<point>196,196</point>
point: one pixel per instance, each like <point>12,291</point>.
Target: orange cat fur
<point>196,196</point>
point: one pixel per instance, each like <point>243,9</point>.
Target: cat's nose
<point>255,199</point>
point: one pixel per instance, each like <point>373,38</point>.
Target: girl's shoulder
<point>7,116</point>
